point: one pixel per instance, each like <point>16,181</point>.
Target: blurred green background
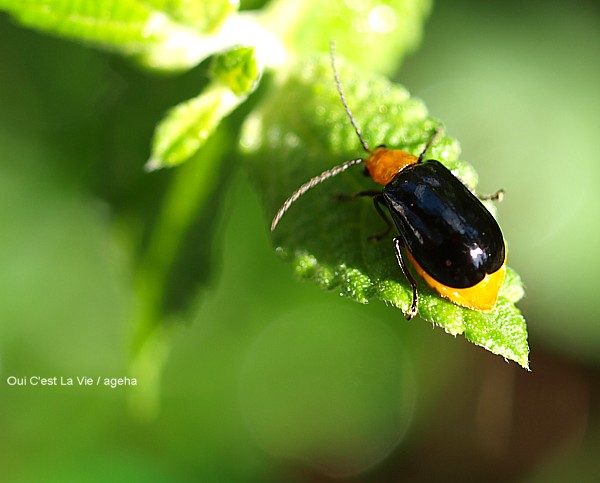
<point>274,380</point>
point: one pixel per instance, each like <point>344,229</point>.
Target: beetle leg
<point>413,283</point>
<point>434,136</point>
<point>378,201</point>
<point>353,196</point>
<point>497,196</point>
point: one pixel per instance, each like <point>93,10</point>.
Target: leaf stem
<point>188,194</point>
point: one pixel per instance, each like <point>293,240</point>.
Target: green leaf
<point>160,34</point>
<point>188,125</point>
<point>205,15</point>
<point>372,33</point>
<point>300,131</point>
<point>237,69</point>
<point>126,25</point>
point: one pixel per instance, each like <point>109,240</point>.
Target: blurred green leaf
<point>301,130</point>
<point>375,34</point>
<point>127,25</point>
<point>188,125</point>
<point>205,16</point>
<point>237,69</point>
<point>154,32</point>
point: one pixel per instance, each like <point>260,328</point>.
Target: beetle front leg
<point>353,196</point>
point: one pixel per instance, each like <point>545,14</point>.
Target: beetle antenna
<point>330,173</point>
<point>338,84</point>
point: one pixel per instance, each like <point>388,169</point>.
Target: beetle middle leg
<point>497,196</point>
<point>436,134</point>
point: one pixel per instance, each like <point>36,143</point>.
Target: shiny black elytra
<point>446,229</point>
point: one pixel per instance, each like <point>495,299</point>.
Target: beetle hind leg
<point>413,283</point>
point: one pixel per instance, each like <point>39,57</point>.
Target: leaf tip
<point>153,164</point>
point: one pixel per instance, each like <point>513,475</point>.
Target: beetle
<point>448,235</point>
